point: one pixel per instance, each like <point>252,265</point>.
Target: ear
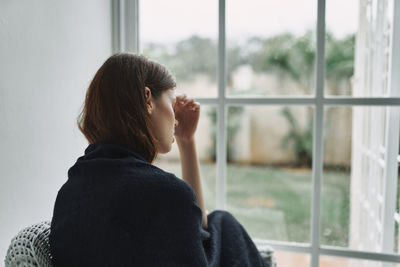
<point>149,102</point>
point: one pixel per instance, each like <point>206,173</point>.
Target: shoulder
<point>170,182</point>
<point>154,182</point>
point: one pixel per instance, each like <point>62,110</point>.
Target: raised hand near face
<point>187,113</point>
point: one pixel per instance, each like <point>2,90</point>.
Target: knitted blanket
<point>117,209</point>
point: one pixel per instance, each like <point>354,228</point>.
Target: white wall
<point>49,52</point>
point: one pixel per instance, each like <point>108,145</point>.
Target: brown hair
<point>115,103</point>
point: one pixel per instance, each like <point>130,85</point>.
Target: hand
<point>187,113</point>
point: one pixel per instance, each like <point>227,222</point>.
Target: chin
<point>165,149</point>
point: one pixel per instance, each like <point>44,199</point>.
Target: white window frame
<point>125,25</point>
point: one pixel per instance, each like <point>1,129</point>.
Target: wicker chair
<point>31,248</point>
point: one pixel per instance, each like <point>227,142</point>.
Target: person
<point>117,208</point>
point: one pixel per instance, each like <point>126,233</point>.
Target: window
<point>299,129</point>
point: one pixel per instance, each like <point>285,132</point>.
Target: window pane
<point>330,261</point>
<point>354,201</point>
<point>357,47</point>
<point>290,259</point>
<point>269,170</point>
<point>182,35</point>
<point>270,47</point>
<point>205,146</point>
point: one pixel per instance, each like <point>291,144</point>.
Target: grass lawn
<point>275,204</point>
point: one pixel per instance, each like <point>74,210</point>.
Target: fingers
<point>194,106</point>
<point>190,105</point>
<point>184,100</point>
<point>181,98</point>
<point>189,102</point>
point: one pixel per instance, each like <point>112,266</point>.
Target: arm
<point>187,114</point>
<point>191,172</point>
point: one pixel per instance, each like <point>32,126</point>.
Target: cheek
<point>168,117</point>
<point>171,113</point>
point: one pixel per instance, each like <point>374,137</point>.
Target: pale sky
<point>168,21</point>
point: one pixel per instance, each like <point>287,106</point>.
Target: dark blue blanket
<point>117,209</point>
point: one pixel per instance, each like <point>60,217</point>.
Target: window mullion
<point>221,109</point>
<point>131,24</point>
<point>392,136</point>
<point>125,26</point>
<point>116,26</point>
<point>304,101</point>
<point>318,140</point>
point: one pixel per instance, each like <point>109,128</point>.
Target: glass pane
<point>272,50</point>
<point>269,170</point>
<point>357,47</point>
<point>205,146</point>
<point>330,261</point>
<point>182,35</point>
<point>290,259</point>
<point>354,200</point>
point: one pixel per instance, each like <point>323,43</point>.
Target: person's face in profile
<point>162,115</point>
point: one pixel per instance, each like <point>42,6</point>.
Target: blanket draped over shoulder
<point>117,209</point>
